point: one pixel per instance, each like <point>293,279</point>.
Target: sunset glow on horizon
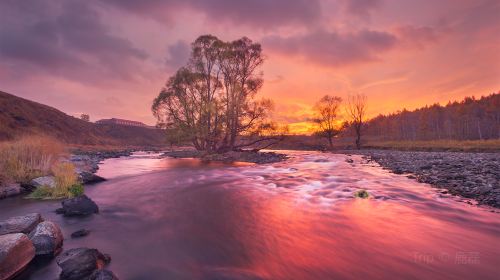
<point>110,58</point>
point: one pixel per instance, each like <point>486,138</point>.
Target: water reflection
<point>181,219</point>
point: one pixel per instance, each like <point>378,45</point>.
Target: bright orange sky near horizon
<point>110,58</point>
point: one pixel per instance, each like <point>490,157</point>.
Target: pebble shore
<point>470,175</point>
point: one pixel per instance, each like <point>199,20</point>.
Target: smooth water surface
<point>167,218</point>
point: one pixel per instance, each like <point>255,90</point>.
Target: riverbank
<point>233,156</point>
<point>470,175</point>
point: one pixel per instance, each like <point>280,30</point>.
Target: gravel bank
<point>471,175</point>
<point>234,156</point>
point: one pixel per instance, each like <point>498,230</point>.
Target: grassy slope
<point>302,142</point>
<point>20,117</point>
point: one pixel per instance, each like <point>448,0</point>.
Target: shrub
<point>67,184</point>
<point>361,194</point>
<point>76,190</point>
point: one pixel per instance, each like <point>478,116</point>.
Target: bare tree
<point>356,111</point>
<point>326,117</point>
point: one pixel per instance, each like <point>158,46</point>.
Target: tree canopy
<point>212,101</point>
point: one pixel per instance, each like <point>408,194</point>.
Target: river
<point>163,218</point>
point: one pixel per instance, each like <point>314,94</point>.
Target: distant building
<point>115,121</point>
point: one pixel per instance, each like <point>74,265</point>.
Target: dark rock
<point>90,178</point>
<point>47,239</point>
<point>81,263</point>
<point>103,274</point>
<point>20,224</point>
<point>349,160</point>
<point>16,251</point>
<point>60,211</point>
<point>397,171</point>
<point>78,206</point>
<point>80,233</point>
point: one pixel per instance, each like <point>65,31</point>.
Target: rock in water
<point>80,233</point>
<point>78,206</point>
<point>81,263</point>
<point>16,251</point>
<point>47,239</point>
<point>20,224</point>
<point>103,275</point>
<point>48,181</point>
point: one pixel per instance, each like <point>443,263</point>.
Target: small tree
<point>356,111</point>
<point>326,117</point>
<point>85,117</point>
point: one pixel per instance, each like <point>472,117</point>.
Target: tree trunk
<point>330,142</point>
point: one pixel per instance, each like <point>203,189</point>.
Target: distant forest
<point>469,119</point>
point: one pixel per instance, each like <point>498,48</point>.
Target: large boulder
<point>81,263</point>
<point>48,181</point>
<point>16,251</point>
<point>10,190</point>
<point>47,239</point>
<point>103,274</point>
<point>78,206</point>
<point>20,224</point>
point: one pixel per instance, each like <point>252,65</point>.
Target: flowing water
<point>298,219</point>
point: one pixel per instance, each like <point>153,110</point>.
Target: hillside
<point>19,117</point>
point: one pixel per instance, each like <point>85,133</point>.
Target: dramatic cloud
<point>65,38</point>
<point>258,13</point>
<point>109,58</point>
<point>417,37</point>
<point>361,8</point>
<point>334,48</point>
<point>178,55</point>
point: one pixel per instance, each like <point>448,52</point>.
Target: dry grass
<point>440,145</point>
<point>28,158</point>
<point>65,177</point>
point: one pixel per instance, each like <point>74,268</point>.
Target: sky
<point>110,58</point>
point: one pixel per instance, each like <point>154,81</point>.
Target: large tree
<point>212,100</point>
<point>327,117</point>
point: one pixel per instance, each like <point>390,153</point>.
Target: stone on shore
<point>90,178</point>
<point>20,224</point>
<point>103,274</point>
<point>16,251</point>
<point>81,263</point>
<point>48,181</point>
<point>78,206</point>
<point>47,239</point>
<point>10,190</point>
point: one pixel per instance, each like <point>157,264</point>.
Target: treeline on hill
<point>469,119</point>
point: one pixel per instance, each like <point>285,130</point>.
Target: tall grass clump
<point>28,157</point>
<point>67,184</point>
